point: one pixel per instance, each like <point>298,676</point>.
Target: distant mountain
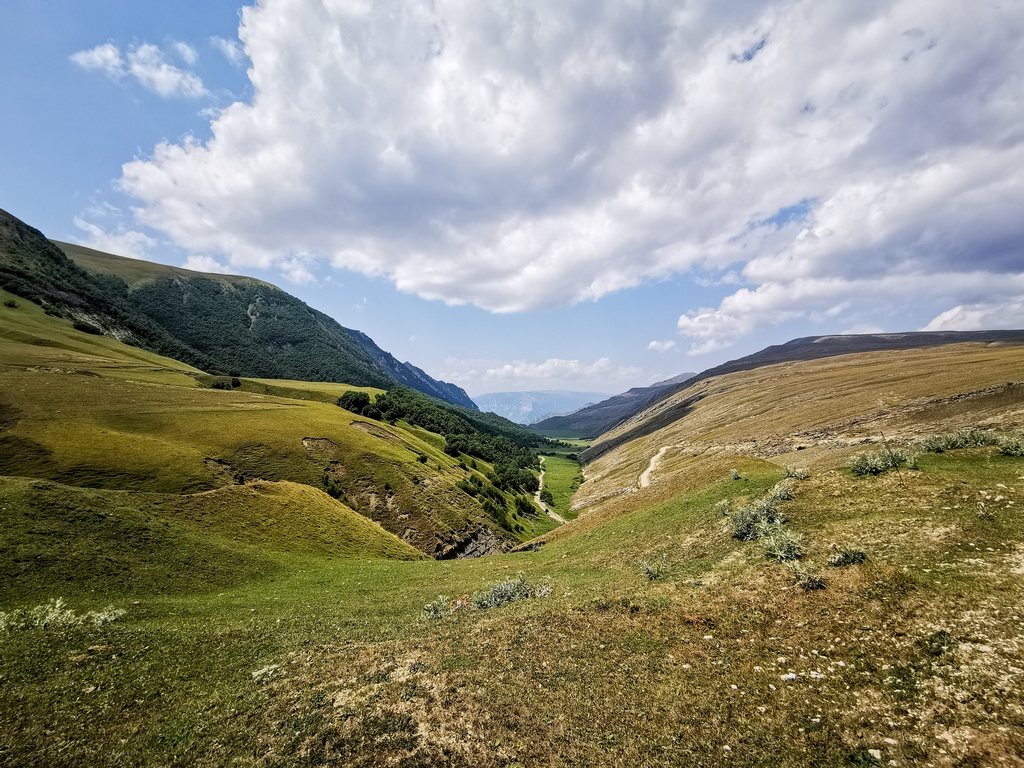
<point>219,323</point>
<point>531,407</point>
<point>596,419</point>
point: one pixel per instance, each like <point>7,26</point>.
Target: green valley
<point>204,569</point>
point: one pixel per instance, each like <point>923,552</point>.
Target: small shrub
<point>1012,446</point>
<point>723,507</point>
<point>657,569</point>
<point>782,491</point>
<point>800,473</point>
<point>877,462</point>
<point>806,578</point>
<point>508,591</point>
<point>936,644</point>
<point>735,474</point>
<point>54,615</point>
<point>437,608</point>
<point>749,520</point>
<point>781,544</point>
<point>11,303</point>
<point>422,458</point>
<point>846,555</point>
<point>972,437</point>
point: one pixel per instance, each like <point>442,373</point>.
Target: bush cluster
<point>55,615</point>
<point>750,520</point>
<point>497,593</point>
<point>877,462</point>
<point>844,555</point>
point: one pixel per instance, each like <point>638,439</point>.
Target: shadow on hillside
<point>647,427</point>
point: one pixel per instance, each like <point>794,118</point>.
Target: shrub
<point>509,591</point>
<point>806,578</point>
<point>1012,446</point>
<point>11,303</point>
<point>781,492</point>
<point>846,555</point>
<point>800,473</point>
<point>422,458</point>
<point>354,401</point>
<point>749,520</point>
<point>723,507</point>
<point>971,437</point>
<point>55,614</point>
<point>657,569</point>
<point>877,462</point>
<point>781,544</point>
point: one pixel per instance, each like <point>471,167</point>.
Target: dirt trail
<point>536,497</point>
<point>645,478</point>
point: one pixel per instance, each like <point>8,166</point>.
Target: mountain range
<point>531,407</point>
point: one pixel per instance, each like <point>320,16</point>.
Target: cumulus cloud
<point>201,263</point>
<point>518,156</point>
<point>1004,314</point>
<point>662,346</point>
<point>119,241</point>
<point>148,66</point>
<point>229,49</point>
<point>553,373</point>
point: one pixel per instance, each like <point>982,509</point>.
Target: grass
<point>260,630</point>
<point>279,670</point>
<point>562,477</point>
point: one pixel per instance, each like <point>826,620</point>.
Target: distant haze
<point>531,407</point>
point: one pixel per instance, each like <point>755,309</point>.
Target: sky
<point>541,195</point>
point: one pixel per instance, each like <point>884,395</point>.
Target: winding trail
<point>536,497</point>
<point>645,478</point>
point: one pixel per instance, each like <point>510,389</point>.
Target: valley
<point>208,569</point>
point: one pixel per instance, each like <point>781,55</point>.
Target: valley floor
<point>912,658</point>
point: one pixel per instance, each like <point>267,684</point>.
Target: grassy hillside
<point>85,411</point>
<point>665,639</point>
<point>251,327</point>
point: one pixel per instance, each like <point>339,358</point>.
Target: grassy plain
<point>266,626</point>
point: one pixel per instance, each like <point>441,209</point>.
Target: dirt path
<point>536,497</point>
<point>645,478</point>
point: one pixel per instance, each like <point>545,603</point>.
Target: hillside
<point>530,407</point>
<point>221,324</point>
<point>596,419</point>
<point>873,619</point>
<point>129,421</point>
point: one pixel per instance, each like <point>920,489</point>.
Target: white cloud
<point>229,49</point>
<point>662,346</point>
<point>534,154</point>
<point>106,58</point>
<point>553,373</point>
<point>120,241</point>
<point>201,263</point>
<point>1007,314</point>
<point>186,52</point>
<point>148,66</point>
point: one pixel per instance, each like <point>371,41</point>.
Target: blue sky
<point>583,195</point>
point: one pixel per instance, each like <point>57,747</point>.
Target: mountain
<point>674,402</point>
<point>596,419</point>
<point>531,407</point>
<point>222,324</point>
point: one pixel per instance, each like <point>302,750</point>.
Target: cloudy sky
<point>541,195</point>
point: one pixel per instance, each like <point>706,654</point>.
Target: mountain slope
<point>593,420</point>
<point>84,411</point>
<point>797,411</point>
<point>531,407</point>
<point>221,324</point>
